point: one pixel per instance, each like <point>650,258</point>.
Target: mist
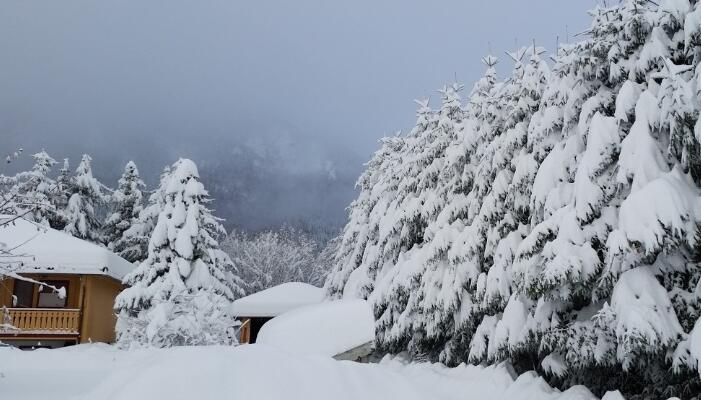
<point>280,103</point>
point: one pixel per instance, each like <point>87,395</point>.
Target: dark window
<point>49,298</point>
<point>23,294</point>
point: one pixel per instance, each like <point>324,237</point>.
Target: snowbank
<point>325,329</point>
<point>48,251</point>
<point>277,300</point>
<point>97,371</point>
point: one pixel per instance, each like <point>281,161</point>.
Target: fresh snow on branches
<point>552,218</point>
<point>127,203</point>
<point>271,258</point>
<point>182,293</point>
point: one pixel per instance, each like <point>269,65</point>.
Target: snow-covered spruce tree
<point>34,189</point>
<point>396,194</point>
<point>133,245</point>
<point>569,240</point>
<point>377,186</point>
<point>81,214</point>
<point>60,195</point>
<point>181,293</point>
<point>325,262</point>
<point>125,205</point>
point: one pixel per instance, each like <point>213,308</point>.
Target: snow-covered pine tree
<point>81,214</point>
<point>60,195</point>
<point>126,204</point>
<point>377,188</point>
<point>325,262</point>
<point>577,208</point>
<point>133,245</point>
<point>34,189</point>
<point>181,293</point>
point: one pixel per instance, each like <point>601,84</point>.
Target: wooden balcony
<point>39,321</point>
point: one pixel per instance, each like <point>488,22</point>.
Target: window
<point>23,294</point>
<point>48,298</point>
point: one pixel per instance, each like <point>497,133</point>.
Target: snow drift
<point>250,372</point>
<point>326,329</point>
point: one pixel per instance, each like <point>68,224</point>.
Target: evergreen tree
<point>60,195</point>
<point>554,219</point>
<point>133,244</point>
<point>81,212</point>
<point>126,204</point>
<point>33,190</point>
<point>181,293</point>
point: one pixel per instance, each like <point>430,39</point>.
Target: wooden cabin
<point>255,310</point>
<point>88,278</point>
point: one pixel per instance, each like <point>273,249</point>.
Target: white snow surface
<point>277,300</point>
<point>99,371</point>
<point>39,249</point>
<point>325,329</point>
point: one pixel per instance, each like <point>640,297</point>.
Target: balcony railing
<point>39,321</point>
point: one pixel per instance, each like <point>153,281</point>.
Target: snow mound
<point>39,249</point>
<point>325,329</point>
<point>277,300</point>
<point>98,371</point>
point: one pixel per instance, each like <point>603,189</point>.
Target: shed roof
<point>328,329</point>
<point>277,300</point>
<point>41,250</point>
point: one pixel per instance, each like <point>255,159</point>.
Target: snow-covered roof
<point>326,329</point>
<point>277,300</point>
<point>38,249</point>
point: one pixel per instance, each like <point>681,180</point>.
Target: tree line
<point>551,218</point>
<point>183,282</point>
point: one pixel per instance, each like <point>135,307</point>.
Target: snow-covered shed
<point>343,329</point>
<point>88,277</point>
<point>256,309</point>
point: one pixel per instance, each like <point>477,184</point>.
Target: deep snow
<point>98,371</point>
<point>278,299</point>
<point>326,329</point>
<point>48,251</point>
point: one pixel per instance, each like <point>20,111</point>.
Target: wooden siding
<point>99,318</point>
<point>88,315</point>
<point>245,332</point>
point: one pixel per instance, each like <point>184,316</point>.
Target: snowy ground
<point>102,372</point>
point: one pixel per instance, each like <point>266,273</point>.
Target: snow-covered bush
<point>553,218</point>
<point>181,293</point>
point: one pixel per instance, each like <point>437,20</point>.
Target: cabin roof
<point>277,300</point>
<point>40,250</point>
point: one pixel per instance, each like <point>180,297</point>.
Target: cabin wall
<point>7,286</point>
<point>99,318</point>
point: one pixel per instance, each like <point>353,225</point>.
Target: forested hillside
<point>551,217</point>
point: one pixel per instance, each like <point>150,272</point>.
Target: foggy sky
<point>282,101</point>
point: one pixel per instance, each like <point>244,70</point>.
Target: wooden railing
<point>40,320</point>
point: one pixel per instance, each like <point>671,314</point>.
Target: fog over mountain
<point>279,117</point>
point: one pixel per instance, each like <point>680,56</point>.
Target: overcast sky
<point>317,81</point>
